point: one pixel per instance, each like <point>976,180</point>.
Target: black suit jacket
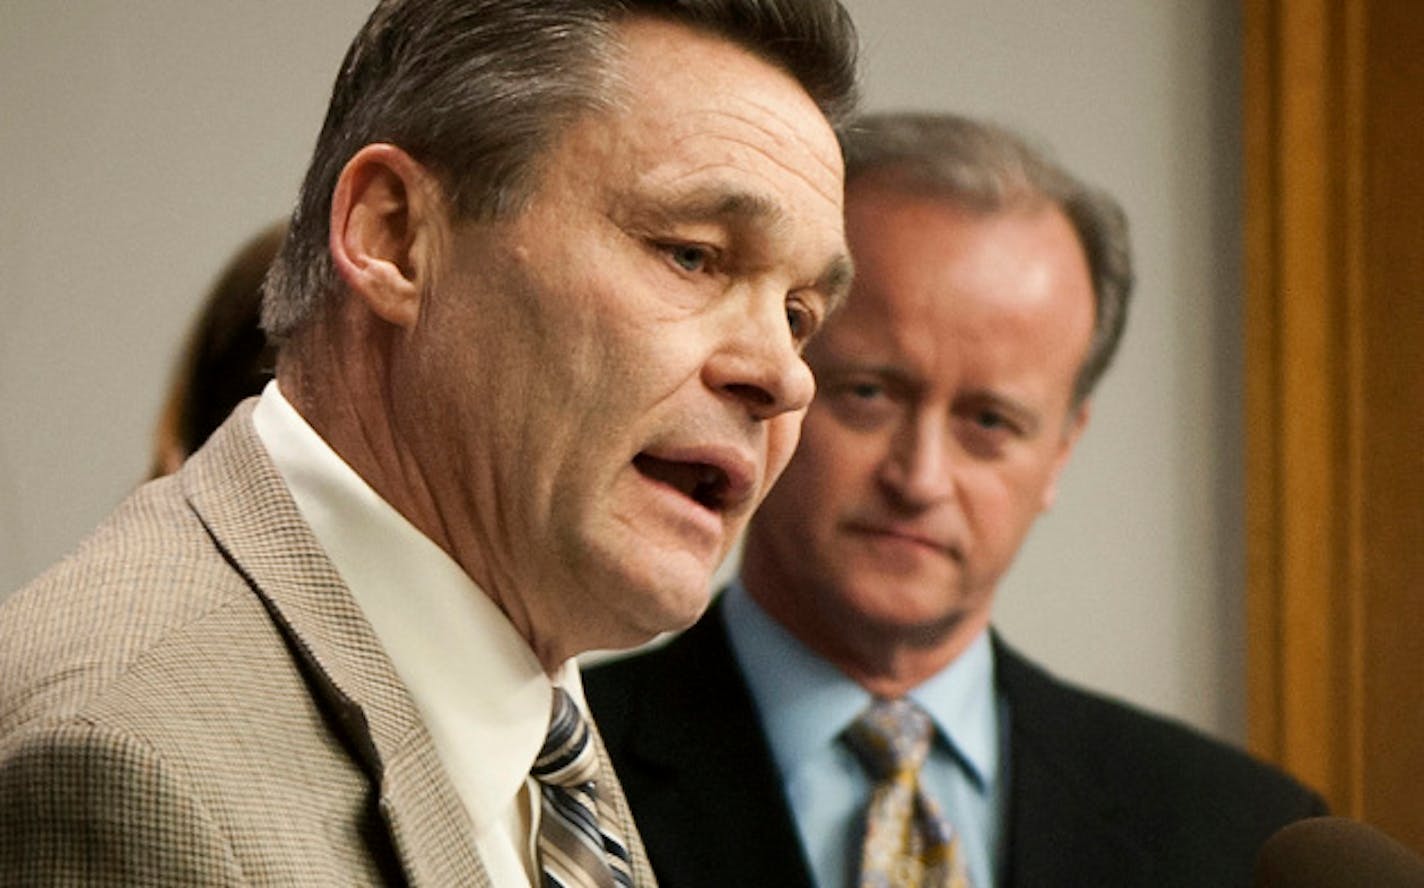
<point>1100,794</point>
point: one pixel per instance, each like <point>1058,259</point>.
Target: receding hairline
<point>980,167</point>
<point>1016,194</point>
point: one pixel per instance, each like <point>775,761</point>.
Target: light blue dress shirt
<point>805,703</point>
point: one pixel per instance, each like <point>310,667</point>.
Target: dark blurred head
<point>1331,852</point>
<point>226,359</point>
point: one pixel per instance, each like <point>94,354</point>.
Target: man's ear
<point>385,212</point>
<point>1074,430</point>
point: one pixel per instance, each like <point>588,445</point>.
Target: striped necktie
<point>580,845</point>
<point>908,842</point>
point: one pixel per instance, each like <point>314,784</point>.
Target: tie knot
<point>891,737</point>
<point>567,757</point>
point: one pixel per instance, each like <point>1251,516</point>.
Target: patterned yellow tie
<point>908,842</point>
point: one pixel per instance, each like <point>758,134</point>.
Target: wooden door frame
<point>1334,244</point>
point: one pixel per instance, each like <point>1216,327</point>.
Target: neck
<point>335,379</point>
<point>888,660</point>
<point>338,376</point>
<point>894,669</point>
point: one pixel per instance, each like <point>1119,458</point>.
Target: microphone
<point>1333,852</point>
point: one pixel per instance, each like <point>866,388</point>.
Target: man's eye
<point>988,419</point>
<point>862,405</point>
<point>802,319</point>
<point>689,257</point>
<point>801,322</point>
<point>994,422</point>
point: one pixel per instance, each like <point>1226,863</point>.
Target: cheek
<point>783,434</point>
<point>1004,506</point>
<point>838,457</point>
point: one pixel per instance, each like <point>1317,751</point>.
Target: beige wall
<point>141,140</point>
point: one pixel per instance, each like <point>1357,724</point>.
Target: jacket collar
<point>235,490</point>
<point>1063,828</point>
<point>729,795</point>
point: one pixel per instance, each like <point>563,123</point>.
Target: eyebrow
<point>716,203</point>
<point>896,376</point>
<point>835,280</point>
<point>1021,412</point>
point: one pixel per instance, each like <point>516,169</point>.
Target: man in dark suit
<point>990,295</point>
<point>540,312</point>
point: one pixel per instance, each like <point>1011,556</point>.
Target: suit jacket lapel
<point>1062,829</point>
<point>236,491</point>
<point>612,791</point>
<point>730,796</point>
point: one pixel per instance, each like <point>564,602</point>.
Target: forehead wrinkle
<point>782,160</point>
<point>789,135</point>
<point>788,150</point>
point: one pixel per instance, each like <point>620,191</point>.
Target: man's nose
<point>918,471</point>
<point>760,366</point>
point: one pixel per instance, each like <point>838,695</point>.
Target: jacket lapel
<point>236,491</point>
<point>1062,829</point>
<point>729,797</point>
<point>640,866</point>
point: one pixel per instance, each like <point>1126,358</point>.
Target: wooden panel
<point>1393,440</point>
<point>1299,546</point>
<point>1334,92</point>
<point>1263,349</point>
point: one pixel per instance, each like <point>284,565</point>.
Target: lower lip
<point>899,543</point>
<point>699,526</point>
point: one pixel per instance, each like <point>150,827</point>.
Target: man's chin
<point>675,609</point>
<point>646,609</point>
<point>887,604</point>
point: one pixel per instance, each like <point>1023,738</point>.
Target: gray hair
<point>478,90</point>
<point>986,168</point>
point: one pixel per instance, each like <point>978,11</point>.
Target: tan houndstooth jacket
<point>193,698</point>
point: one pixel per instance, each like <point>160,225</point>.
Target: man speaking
<point>540,312</point>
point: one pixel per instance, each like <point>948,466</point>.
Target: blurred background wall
<point>142,140</point>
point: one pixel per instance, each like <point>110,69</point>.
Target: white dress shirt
<point>481,692</point>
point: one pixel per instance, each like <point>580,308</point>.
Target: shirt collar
<point>960,700</point>
<point>805,702</point>
<point>481,691</point>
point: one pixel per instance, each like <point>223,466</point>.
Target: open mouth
<point>703,483</point>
